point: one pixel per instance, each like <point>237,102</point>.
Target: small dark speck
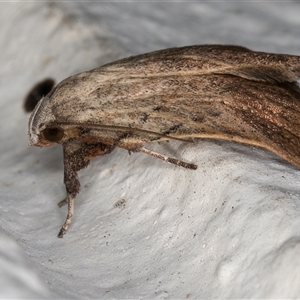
<point>40,90</point>
<point>157,108</point>
<point>215,113</point>
<point>120,203</point>
<point>198,118</point>
<point>84,130</point>
<point>143,117</point>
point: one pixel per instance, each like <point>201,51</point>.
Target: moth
<point>208,91</point>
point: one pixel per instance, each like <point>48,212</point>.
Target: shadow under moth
<point>208,91</point>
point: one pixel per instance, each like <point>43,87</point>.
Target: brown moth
<point>209,91</point>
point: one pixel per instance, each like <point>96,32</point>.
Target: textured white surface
<point>142,228</point>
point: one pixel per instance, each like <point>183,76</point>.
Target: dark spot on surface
<point>124,135</point>
<point>157,108</point>
<point>172,129</point>
<point>215,113</point>
<point>40,90</point>
<point>120,203</point>
<point>198,118</point>
<point>85,130</point>
<point>143,117</point>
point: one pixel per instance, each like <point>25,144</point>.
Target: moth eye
<point>53,134</point>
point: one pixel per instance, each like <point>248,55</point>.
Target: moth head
<point>41,130</point>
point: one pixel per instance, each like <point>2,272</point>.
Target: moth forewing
<point>210,91</point>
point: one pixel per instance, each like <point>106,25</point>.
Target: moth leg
<point>62,202</point>
<point>76,157</point>
<point>73,162</point>
<point>70,201</point>
<point>172,160</point>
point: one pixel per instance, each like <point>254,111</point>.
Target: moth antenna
<point>172,160</point>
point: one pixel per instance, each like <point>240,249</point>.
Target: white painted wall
<point>228,230</point>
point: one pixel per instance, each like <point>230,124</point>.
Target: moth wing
<point>211,59</point>
<point>250,97</point>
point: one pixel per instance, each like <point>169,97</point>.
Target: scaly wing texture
<point>223,92</point>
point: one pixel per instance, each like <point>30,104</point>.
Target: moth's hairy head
<point>39,121</point>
